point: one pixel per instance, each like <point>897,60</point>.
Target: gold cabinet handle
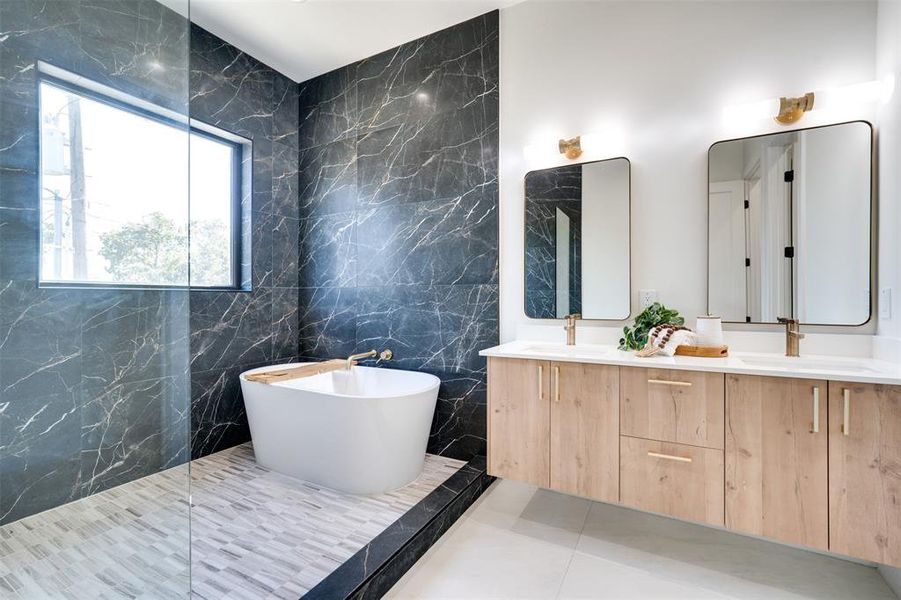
<point>846,417</point>
<point>668,382</point>
<point>816,410</point>
<point>684,459</point>
<point>556,384</point>
<point>541,382</point>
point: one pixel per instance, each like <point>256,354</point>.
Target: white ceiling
<point>306,38</point>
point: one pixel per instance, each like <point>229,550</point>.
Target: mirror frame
<point>873,220</point>
<point>524,241</point>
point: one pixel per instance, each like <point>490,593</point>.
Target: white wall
<point>729,298</point>
<point>832,173</point>
<point>655,77</point>
<point>888,57</point>
<point>726,162</point>
<point>888,62</point>
<point>605,239</point>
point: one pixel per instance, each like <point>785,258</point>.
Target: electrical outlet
<point>647,297</point>
<point>885,303</point>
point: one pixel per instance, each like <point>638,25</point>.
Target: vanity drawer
<point>673,479</point>
<point>685,407</point>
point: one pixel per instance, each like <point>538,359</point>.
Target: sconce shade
<point>792,109</point>
<point>572,148</point>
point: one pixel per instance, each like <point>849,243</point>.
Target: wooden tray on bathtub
<point>278,375</point>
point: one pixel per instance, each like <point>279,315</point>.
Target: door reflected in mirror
<point>577,241</point>
<point>790,226</point>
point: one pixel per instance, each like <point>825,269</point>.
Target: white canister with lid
<point>709,331</point>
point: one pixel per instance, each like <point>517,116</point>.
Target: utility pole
<point>77,191</point>
<point>57,236</point>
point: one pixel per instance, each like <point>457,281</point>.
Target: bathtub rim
<point>433,385</point>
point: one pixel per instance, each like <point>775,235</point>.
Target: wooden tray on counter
<point>703,351</point>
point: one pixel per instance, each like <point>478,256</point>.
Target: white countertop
<point>855,370</point>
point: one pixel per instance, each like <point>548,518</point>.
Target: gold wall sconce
<point>792,109</point>
<point>609,142</point>
<point>842,102</point>
<point>571,148</point>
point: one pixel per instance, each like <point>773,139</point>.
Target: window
<point>120,204</point>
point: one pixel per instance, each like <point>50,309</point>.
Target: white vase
<point>709,331</point>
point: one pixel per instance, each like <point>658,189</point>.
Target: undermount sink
<point>557,349</point>
<point>787,362</point>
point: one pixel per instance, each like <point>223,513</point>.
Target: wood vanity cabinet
<point>804,461</point>
<point>776,459</point>
<point>865,471</point>
<point>555,425</point>
<point>519,420</point>
<point>585,430</point>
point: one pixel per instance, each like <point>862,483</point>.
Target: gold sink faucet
<point>793,336</point>
<point>570,328</point>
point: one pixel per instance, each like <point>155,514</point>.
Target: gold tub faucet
<point>355,357</point>
<point>386,354</point>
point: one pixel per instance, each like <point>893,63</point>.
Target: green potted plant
<point>635,337</point>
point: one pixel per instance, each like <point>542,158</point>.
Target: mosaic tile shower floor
<point>256,534</point>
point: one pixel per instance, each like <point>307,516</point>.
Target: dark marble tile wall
<point>234,331</point>
<point>93,383</point>
<point>546,191</point>
<point>99,387</point>
<point>398,216</point>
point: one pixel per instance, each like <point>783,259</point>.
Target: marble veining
<point>285,164</point>
<point>373,198</point>
<point>399,208</point>
<point>437,242</point>
<point>441,156</point>
<point>328,108</point>
<point>546,192</point>
<point>235,331</point>
<point>328,178</point>
<point>441,72</point>
<point>99,387</point>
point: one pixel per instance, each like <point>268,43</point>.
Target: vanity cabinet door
<point>519,420</point>
<point>776,459</point>
<point>585,430</point>
<point>865,471</point>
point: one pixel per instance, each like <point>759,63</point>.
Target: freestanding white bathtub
<point>362,431</point>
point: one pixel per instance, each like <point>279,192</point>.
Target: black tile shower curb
<point>371,572</point>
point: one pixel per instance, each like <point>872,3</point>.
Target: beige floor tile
<point>591,577</point>
<point>516,541</point>
<point>722,561</point>
<point>540,514</point>
<point>482,561</point>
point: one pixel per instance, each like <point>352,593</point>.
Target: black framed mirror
<point>577,241</point>
<point>790,226</point>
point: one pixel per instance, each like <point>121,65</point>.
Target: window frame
<point>237,220</point>
<point>240,148</point>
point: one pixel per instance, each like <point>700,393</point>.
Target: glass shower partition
<point>94,316</point>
